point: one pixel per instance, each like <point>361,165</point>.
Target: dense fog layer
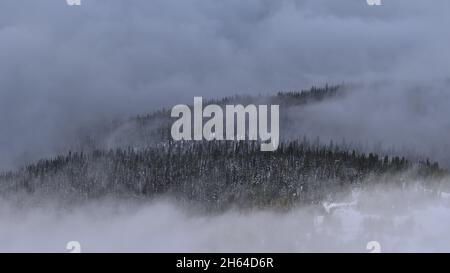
<point>410,220</point>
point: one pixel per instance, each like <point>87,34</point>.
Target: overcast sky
<point>62,66</point>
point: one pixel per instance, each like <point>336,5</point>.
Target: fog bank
<point>400,220</point>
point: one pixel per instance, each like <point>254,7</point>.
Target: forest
<point>217,175</point>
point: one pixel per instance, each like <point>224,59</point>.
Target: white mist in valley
<point>410,220</point>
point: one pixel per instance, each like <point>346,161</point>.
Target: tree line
<point>216,174</point>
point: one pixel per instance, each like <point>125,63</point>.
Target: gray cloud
<point>61,66</point>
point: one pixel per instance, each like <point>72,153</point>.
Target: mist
<point>393,117</point>
<point>411,219</point>
<point>65,67</point>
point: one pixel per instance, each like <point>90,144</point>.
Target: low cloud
<point>408,220</point>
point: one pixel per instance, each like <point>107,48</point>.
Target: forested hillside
<point>215,174</point>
